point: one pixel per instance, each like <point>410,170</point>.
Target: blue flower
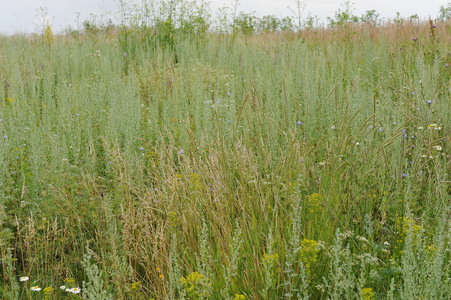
<point>299,123</point>
<point>142,148</point>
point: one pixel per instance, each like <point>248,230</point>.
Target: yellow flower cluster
<point>314,203</point>
<point>309,253</point>
<point>196,285</point>
<point>367,294</point>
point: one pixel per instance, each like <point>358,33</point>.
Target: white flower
<point>322,163</point>
<point>420,127</point>
<point>386,243</point>
<point>24,278</point>
<point>35,288</point>
<point>75,290</point>
<point>438,147</point>
<point>357,143</point>
<point>63,287</point>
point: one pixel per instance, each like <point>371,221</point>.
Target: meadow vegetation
<point>184,156</point>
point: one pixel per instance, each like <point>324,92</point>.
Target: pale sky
<point>21,15</point>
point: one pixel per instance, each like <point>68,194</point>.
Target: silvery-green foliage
<point>94,288</point>
<point>341,283</point>
<point>205,261</point>
<point>295,283</point>
<point>231,269</point>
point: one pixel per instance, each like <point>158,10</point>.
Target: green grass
<point>95,187</point>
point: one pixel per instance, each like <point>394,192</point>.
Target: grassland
<point>284,165</point>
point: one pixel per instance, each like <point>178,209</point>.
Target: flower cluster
<point>48,290</point>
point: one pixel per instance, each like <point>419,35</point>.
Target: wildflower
<point>434,26</point>
<point>299,123</point>
<point>24,278</point>
<point>75,290</point>
<point>423,155</point>
<point>142,148</point>
<point>446,65</point>
<point>180,152</point>
<point>414,39</point>
<point>161,276</point>
<point>333,127</point>
<point>35,288</point>
<point>429,102</point>
<point>405,135</point>
<point>5,136</point>
<point>63,287</point>
<point>357,143</point>
<point>386,243</point>
<point>322,163</point>
<point>420,82</point>
<point>420,127</point>
<point>438,128</point>
<point>381,129</point>
<point>412,137</point>
<point>404,175</point>
<point>367,294</point>
<point>438,147</point>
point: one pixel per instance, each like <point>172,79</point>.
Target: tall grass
<point>274,165</point>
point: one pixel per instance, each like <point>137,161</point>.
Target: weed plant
<point>138,162</point>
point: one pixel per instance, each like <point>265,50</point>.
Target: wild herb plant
<point>247,162</point>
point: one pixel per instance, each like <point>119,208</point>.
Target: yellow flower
<point>367,294</point>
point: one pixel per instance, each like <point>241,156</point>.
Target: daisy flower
<point>75,290</point>
<point>438,147</point>
<point>24,278</point>
<point>35,288</point>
